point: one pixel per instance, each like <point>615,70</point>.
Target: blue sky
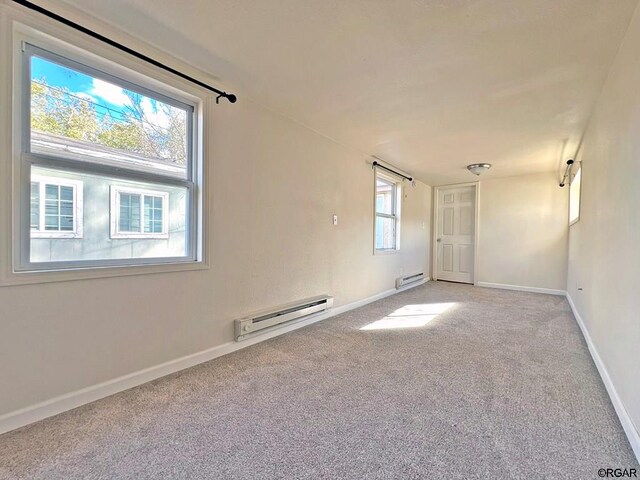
<point>93,89</point>
<point>59,76</point>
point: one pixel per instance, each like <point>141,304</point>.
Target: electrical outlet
<point>335,219</point>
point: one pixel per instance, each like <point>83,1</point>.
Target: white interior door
<point>456,233</point>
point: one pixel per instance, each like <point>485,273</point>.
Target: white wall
<point>604,247</point>
<point>274,188</point>
<point>523,232</point>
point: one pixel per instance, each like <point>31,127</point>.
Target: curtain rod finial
<point>229,96</point>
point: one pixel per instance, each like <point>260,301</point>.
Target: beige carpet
<point>441,381</point>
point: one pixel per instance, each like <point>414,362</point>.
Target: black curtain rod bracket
<point>567,173</point>
<point>376,164</point>
<point>36,8</point>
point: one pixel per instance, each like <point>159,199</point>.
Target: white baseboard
<point>625,419</point>
<point>503,286</point>
<point>54,406</point>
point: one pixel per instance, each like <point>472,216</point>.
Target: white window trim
<point>77,207</point>
<point>396,216</point>
<point>18,25</point>
<point>116,191</point>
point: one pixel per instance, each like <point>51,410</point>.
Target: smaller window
<point>387,207</point>
<point>139,213</point>
<point>574,196</point>
<point>56,208</point>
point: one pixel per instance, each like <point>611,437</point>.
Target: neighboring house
<point>76,215</point>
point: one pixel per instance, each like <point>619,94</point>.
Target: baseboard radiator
<point>270,319</point>
<point>404,281</point>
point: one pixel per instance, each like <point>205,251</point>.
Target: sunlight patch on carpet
<point>410,316</point>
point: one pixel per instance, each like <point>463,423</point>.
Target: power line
<point>121,116</point>
<point>120,113</point>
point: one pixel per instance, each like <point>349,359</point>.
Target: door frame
<point>434,229</point>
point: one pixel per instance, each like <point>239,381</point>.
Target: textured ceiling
<point>429,85</point>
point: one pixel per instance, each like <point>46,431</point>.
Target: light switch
<point>335,219</point>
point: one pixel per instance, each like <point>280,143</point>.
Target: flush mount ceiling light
<point>478,168</point>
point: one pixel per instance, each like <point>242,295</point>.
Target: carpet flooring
<point>440,381</point>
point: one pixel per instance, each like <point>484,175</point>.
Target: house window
<point>90,124</point>
<point>574,196</point>
<point>56,208</point>
<point>138,213</point>
<point>387,210</point>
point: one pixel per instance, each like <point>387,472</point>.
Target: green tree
<point>58,111</point>
<point>125,136</point>
<point>166,142</point>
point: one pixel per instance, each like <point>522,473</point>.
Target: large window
<point>108,165</point>
<point>387,208</point>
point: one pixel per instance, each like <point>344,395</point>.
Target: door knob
<point>438,240</point>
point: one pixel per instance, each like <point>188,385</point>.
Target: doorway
<point>456,233</point>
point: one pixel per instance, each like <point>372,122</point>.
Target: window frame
<point>396,210</point>
<point>20,26</point>
<point>114,214</point>
<point>76,185</point>
<point>29,50</point>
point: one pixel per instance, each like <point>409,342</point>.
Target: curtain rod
<point>567,173</point>
<point>229,96</point>
<point>376,164</point>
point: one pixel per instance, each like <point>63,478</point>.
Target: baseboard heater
<point>404,281</point>
<point>269,319</point>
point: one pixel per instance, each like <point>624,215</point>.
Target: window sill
<point>69,275</point>
<point>145,236</point>
<point>55,236</point>
<point>391,251</point>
